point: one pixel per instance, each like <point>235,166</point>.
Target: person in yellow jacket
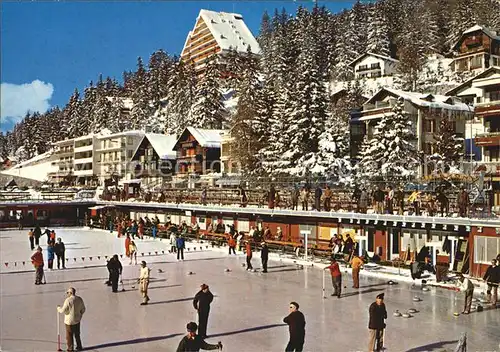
<point>144,282</point>
<point>356,264</point>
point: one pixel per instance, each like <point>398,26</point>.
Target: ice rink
<point>246,314</point>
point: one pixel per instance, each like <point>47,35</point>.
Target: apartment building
<point>424,110</point>
<point>63,161</point>
<point>371,65</point>
<point>216,33</point>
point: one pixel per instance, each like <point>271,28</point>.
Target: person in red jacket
<point>37,260</point>
<point>248,249</point>
<point>336,277</point>
<point>231,242</point>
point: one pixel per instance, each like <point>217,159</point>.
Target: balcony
<point>83,172</point>
<point>84,160</point>
<point>487,108</point>
<point>85,148</point>
<point>489,139</point>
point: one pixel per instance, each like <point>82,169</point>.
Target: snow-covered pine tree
<point>462,18</point>
<point>100,112</point>
<point>343,51</point>
<point>246,122</point>
<point>73,114</point>
<point>142,109</point>
<point>449,146</point>
<point>208,109</point>
<point>4,150</point>
<point>379,37</point>
<point>391,154</point>
<point>87,106</point>
<point>158,78</point>
<point>307,114</point>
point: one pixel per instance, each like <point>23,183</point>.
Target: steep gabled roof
<point>468,83</point>
<point>386,58</point>
<point>163,144</point>
<point>205,138</point>
<point>490,33</point>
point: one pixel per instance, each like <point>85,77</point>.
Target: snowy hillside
<point>36,168</point>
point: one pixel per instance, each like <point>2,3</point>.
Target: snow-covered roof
<point>163,144</point>
<point>229,30</point>
<point>468,83</point>
<point>382,57</point>
<point>490,33</point>
<point>423,99</point>
<point>205,138</point>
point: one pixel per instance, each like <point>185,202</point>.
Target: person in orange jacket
<point>231,242</point>
<point>356,264</point>
<point>37,260</point>
<point>248,248</point>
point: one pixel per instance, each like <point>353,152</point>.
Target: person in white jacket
<point>144,282</point>
<point>173,239</point>
<point>465,285</point>
<point>73,309</point>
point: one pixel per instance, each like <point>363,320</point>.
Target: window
<point>494,96</point>
<point>485,249</point>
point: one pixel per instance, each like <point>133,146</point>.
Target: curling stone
<point>456,314</point>
<point>190,273</point>
<point>390,282</point>
<point>480,308</point>
<point>227,270</point>
<point>475,300</point>
<point>406,315</point>
<point>243,264</point>
<point>425,289</point>
<point>412,311</point>
<point>397,313</point>
<point>417,299</point>
<point>160,271</point>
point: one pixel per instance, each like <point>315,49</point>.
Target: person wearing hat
<point>376,325</point>
<point>144,282</point>
<point>73,310</point>
<point>264,256</point>
<point>297,328</point>
<point>193,342</point>
<point>37,260</point>
<point>201,303</point>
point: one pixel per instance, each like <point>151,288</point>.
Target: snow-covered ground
<point>36,168</point>
<point>247,311</point>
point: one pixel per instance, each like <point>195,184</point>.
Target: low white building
<point>371,65</point>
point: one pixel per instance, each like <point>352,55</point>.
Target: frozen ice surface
<point>246,314</point>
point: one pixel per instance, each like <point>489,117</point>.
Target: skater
<point>248,248</point>
<point>31,236</point>
<point>37,260</point>
<point>115,270</point>
<point>37,233</point>
<point>133,252</point>
<point>465,285</point>
<point>181,244</point>
<point>60,250</point>
<point>264,256</point>
<point>231,242</point>
<point>73,310</point>
<point>297,328</point>
<point>154,230</point>
<point>336,277</point>
<point>144,282</point>
<point>193,343</point>
<point>492,278</point>
<point>356,264</point>
<point>173,241</point>
<point>50,255</point>
<point>376,325</point>
<point>19,217</point>
<point>201,303</point>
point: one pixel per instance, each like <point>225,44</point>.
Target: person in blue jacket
<point>181,244</point>
<point>50,254</point>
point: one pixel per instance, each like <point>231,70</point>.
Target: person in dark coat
<point>193,342</point>
<point>492,278</point>
<point>376,325</point>
<point>115,270</point>
<point>201,303</point>
<point>297,328</point>
<point>271,197</point>
<point>264,256</point>
<point>37,233</point>
<point>318,192</point>
<point>60,249</point>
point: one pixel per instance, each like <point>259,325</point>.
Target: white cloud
<point>18,99</point>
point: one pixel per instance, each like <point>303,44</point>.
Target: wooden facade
<point>477,49</point>
<point>193,157</point>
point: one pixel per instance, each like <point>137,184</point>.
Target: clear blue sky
<point>67,44</point>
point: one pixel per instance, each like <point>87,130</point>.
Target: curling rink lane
<point>246,314</point>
